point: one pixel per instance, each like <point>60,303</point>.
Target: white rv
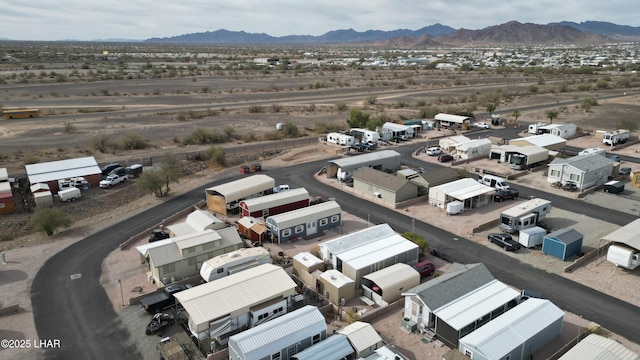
<point>233,262</point>
<point>494,182</point>
<point>524,216</point>
<point>589,151</point>
<point>623,256</point>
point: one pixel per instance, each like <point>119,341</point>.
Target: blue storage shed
<point>563,243</point>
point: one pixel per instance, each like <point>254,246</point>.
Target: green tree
<point>516,114</point>
<point>170,170</point>
<point>151,181</point>
<point>357,119</point>
<point>552,114</point>
<point>491,108</point>
<point>48,220</point>
<point>588,103</point>
<point>417,239</point>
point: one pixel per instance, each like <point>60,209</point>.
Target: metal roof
<point>142,249</point>
<point>380,179</point>
<point>584,162</point>
<point>541,140</point>
<point>525,207</point>
<point>457,281</point>
<point>476,304</point>
<point>596,347</point>
<point>5,187</point>
<point>525,150</point>
<point>172,251</point>
<point>566,235</point>
<point>236,293</point>
<point>334,347</point>
<point>463,189</point>
<point>628,234</point>
<point>376,251</point>
<point>511,329</point>
<point>361,335</point>
<point>354,162</point>
<point>307,259</point>
<point>62,169</point>
<point>395,127</point>
<point>473,143</point>
<point>336,278</point>
<point>393,275</point>
<point>358,238</point>
<point>240,189</point>
<point>277,334</point>
<point>4,175</point>
<point>277,199</point>
<point>196,221</point>
<point>299,216</point>
<point>452,118</point>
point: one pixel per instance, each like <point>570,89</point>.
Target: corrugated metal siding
<point>596,347</point>
<point>235,292</point>
<point>273,200</point>
<point>279,333</point>
<point>301,216</point>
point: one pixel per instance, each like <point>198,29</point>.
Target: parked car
<point>433,151</point>
<point>120,171</point>
<point>108,168</point>
<point>244,169</point>
<point>425,268</point>
<point>624,171</point>
<point>159,322</point>
<point>445,158</point>
<point>501,195</point>
<point>570,186</point>
<point>482,125</point>
<point>615,158</point>
<point>158,234</point>
<point>505,241</point>
<point>112,180</point>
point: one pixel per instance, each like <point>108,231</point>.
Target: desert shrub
<point>133,141</point>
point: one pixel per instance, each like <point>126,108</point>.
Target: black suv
<point>505,241</point>
<point>120,171</point>
<point>108,168</point>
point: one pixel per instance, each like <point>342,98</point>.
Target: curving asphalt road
<point>70,304</point>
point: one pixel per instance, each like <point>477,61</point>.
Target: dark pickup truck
<point>161,299</point>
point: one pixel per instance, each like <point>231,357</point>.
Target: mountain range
<point>512,32</point>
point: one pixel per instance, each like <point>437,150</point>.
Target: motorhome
<point>524,216</point>
<point>615,137</point>
<point>494,182</point>
<point>589,151</point>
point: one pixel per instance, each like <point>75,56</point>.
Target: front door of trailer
<point>312,227</point>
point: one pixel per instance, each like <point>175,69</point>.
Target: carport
<point>472,193</point>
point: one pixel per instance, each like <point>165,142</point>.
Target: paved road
<point>78,312</point>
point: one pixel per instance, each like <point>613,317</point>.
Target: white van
<point>494,181</point>
<point>69,194</point>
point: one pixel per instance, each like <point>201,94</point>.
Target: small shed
<point>563,243</point>
<point>334,347</point>
<point>252,229</point>
<point>43,198</point>
<point>387,285</point>
<point>363,337</point>
<point>39,187</point>
<point>337,286</point>
<point>532,237</point>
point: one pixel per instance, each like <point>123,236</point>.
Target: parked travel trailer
<point>494,182</point>
<point>341,139</point>
<point>533,128</point>
<point>623,256</point>
<point>565,131</point>
<point>615,137</point>
<point>365,135</point>
<point>69,194</point>
<point>233,262</point>
<point>532,237</point>
<point>524,216</point>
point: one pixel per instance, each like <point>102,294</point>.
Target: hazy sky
<point>143,19</point>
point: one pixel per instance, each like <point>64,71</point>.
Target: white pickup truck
<point>111,180</point>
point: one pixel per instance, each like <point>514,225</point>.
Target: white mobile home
<point>472,193</point>
<point>398,130</point>
<point>452,121</point>
<point>449,143</point>
<point>478,148</point>
<point>330,249</point>
<point>585,170</point>
<point>303,222</point>
<point>340,139</point>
